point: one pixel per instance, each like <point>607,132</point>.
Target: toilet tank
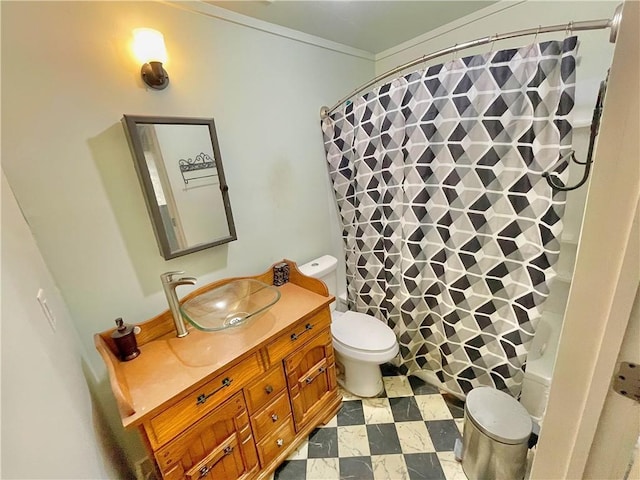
<point>323,268</point>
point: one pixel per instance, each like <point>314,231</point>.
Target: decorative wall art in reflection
<point>202,166</point>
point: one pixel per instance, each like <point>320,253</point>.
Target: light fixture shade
<point>148,45</point>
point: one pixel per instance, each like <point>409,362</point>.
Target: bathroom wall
<point>66,84</point>
<point>68,76</point>
<point>50,429</point>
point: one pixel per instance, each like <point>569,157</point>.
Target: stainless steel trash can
<point>495,436</point>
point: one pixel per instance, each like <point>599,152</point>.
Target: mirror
<point>180,170</point>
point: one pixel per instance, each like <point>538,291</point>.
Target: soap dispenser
<point>125,339</point>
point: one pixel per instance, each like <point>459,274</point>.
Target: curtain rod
<point>612,23</point>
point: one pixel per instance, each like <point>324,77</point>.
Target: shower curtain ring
<point>454,53</point>
<point>493,42</point>
<point>535,39</point>
<point>569,29</point>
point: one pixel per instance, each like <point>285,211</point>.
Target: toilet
<point>361,342</point>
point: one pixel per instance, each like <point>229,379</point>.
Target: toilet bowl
<point>361,342</point>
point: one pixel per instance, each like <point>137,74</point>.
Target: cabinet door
<point>311,377</point>
<point>219,447</point>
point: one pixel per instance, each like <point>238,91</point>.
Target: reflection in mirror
<point>180,169</point>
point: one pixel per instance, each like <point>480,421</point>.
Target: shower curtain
<point>451,233</point>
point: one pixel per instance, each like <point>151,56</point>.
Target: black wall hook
<point>552,178</point>
<point>556,183</point>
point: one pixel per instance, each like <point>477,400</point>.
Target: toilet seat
<point>363,337</point>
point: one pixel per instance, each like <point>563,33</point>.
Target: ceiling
<point>373,26</point>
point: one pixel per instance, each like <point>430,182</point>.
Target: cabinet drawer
<point>297,335</point>
<point>270,447</point>
<point>272,417</point>
<point>265,389</point>
<point>189,409</point>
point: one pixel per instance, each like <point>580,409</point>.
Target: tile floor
<point>407,433</point>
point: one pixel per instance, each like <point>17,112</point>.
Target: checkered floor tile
<point>407,433</point>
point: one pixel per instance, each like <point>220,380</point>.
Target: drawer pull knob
<point>202,398</point>
<point>268,389</point>
<point>274,417</point>
<point>280,442</point>
<point>307,327</point>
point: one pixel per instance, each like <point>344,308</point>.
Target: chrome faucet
<point>169,285</point>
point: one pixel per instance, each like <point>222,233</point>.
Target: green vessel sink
<point>230,305</point>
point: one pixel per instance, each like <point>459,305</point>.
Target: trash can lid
<point>498,415</point>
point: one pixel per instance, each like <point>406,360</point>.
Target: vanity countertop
<point>168,365</point>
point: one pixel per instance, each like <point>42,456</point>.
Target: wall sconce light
<point>148,46</point>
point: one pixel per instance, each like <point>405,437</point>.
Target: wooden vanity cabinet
<point>241,420</point>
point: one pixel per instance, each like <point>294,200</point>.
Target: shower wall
<point>544,347</point>
<point>574,210</point>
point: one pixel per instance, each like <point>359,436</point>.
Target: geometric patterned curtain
<point>451,233</point>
